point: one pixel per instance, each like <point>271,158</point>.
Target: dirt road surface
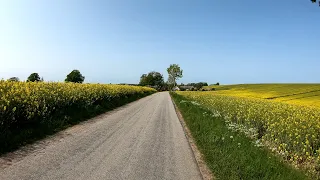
<point>142,140</point>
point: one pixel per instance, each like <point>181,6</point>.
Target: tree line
<point>74,76</point>
<point>155,79</point>
<point>152,79</point>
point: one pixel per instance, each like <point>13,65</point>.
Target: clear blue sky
<point>240,41</point>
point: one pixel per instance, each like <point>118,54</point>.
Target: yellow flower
<point>289,127</point>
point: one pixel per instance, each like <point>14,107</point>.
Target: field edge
<point>203,168</point>
<point>29,135</point>
<point>277,168</point>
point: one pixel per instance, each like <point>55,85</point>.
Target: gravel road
<point>142,140</point>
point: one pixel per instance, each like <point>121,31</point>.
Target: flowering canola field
<point>298,94</point>
<point>22,102</point>
<point>290,129</point>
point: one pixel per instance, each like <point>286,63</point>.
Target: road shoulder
<point>203,168</point>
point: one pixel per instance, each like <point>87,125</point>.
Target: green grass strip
<point>231,155</point>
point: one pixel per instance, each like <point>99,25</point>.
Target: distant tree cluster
<point>192,86</point>
<point>155,80</point>
<point>152,79</point>
<point>74,76</point>
<point>198,85</point>
<point>14,79</point>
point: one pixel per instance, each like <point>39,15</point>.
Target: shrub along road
<point>142,140</point>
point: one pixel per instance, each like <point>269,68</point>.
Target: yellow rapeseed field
<point>23,102</point>
<point>291,130</point>
<point>298,94</point>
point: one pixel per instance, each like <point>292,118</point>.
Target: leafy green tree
<point>75,76</point>
<point>174,72</point>
<point>14,79</point>
<point>152,79</point>
<point>144,80</point>
<point>34,77</point>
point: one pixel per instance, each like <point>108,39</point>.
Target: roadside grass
<point>231,155</point>
<point>14,138</point>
